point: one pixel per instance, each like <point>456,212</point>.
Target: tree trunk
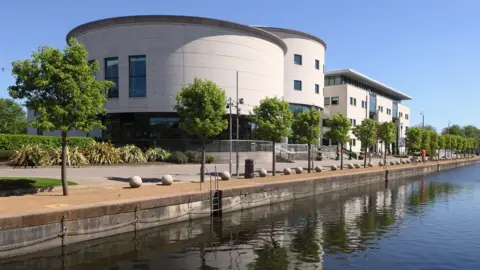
<point>273,158</point>
<point>365,158</point>
<point>64,164</point>
<point>309,158</point>
<point>385,155</point>
<point>341,156</point>
<point>202,166</point>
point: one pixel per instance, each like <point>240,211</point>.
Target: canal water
<point>429,222</point>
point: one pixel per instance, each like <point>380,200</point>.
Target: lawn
<point>7,183</point>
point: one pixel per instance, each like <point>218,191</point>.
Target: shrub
<point>29,155</point>
<point>178,158</point>
<point>75,157</point>
<point>102,153</point>
<point>16,141</point>
<point>193,157</point>
<point>209,158</point>
<point>5,155</point>
<point>156,154</point>
<point>132,154</point>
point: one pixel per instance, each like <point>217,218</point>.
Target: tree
<point>201,107</point>
<point>13,119</point>
<point>306,128</point>
<point>60,86</point>
<point>453,129</point>
<point>413,139</point>
<point>427,128</point>
<point>453,143</point>
<point>273,120</point>
<point>365,132</point>
<point>386,135</point>
<point>460,143</point>
<point>433,143</point>
<point>339,126</point>
<point>425,140</point>
<point>471,131</point>
<point>442,142</point>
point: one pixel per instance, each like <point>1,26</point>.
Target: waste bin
<point>249,168</point>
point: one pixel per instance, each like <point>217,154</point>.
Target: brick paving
<point>50,201</point>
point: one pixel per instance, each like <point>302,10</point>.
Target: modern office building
<point>151,57</point>
<point>359,97</point>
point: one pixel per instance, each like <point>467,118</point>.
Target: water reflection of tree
<point>429,192</point>
<point>305,242</point>
<point>272,256</point>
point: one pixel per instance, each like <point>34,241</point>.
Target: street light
<point>423,119</point>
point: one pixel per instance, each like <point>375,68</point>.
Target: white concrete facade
<point>354,103</point>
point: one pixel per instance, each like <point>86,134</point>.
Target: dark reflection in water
<point>418,223</point>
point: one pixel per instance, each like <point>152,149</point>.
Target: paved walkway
<point>41,202</point>
<point>119,174</point>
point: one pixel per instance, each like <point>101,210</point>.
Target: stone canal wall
<point>58,228</point>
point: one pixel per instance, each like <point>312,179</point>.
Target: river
<point>428,222</point>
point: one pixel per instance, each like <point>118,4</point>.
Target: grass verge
<point>7,183</point>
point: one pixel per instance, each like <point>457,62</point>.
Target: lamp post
<point>230,124</point>
<point>401,141</point>
<point>423,119</point>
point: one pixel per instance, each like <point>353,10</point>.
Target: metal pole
<point>238,131</point>
<point>423,120</point>
<point>231,135</point>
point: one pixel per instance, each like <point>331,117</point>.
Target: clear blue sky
<point>429,49</point>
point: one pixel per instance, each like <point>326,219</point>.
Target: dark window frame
<point>317,64</point>
<point>335,101</point>
<point>130,76</point>
<point>299,58</point>
<point>114,91</point>
<point>317,89</point>
<point>295,85</point>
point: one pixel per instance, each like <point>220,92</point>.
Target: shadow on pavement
<point>125,179</point>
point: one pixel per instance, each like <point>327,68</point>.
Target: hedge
<point>12,142</point>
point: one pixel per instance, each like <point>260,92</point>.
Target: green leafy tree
<point>427,128</point>
<point>433,143</point>
<point>460,144</point>
<point>13,119</point>
<point>306,129</point>
<point>453,130</point>
<point>365,132</point>
<point>273,120</point>
<point>413,139</point>
<point>471,131</point>
<point>201,106</point>
<point>386,135</point>
<point>442,144</point>
<point>425,140</point>
<point>453,142</point>
<point>339,127</point>
<point>60,86</point>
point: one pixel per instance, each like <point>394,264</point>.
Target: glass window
<point>317,89</point>
<point>363,104</point>
<point>354,102</point>
<point>297,59</point>
<point>338,80</point>
<point>138,76</point>
<point>317,64</point>
<point>326,101</point>
<point>406,116</point>
<point>111,74</point>
<point>335,100</point>
<point>297,85</point>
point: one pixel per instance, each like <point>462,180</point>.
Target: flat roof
<point>142,19</point>
<point>294,32</point>
<point>387,90</point>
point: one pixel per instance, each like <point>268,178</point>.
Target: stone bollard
<point>357,166</point>
<point>370,164</point>
<point>350,166</point>
<point>407,161</point>
<point>224,176</point>
<point>135,181</point>
<point>392,162</point>
<point>318,168</point>
<point>299,170</point>
<point>262,172</point>
<point>403,162</point>
<point>287,171</point>
<point>397,162</point>
<point>167,180</point>
<point>380,163</point>
<point>333,167</point>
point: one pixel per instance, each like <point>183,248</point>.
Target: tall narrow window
<point>326,101</point>
<point>317,64</point>
<point>317,89</point>
<point>297,59</point>
<point>111,74</point>
<point>138,76</point>
<point>297,85</point>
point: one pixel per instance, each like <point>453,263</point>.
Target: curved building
<point>150,57</point>
<point>304,68</point>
